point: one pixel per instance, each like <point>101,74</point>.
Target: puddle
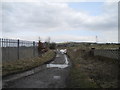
<point>57,55</point>
<point>59,65</point>
<point>66,60</point>
<point>56,77</point>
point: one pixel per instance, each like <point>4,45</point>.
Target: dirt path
<point>52,75</point>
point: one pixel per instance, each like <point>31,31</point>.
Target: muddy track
<point>52,75</point>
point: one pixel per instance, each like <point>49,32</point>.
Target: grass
<point>25,64</point>
<point>91,72</point>
<point>78,78</point>
<point>105,46</point>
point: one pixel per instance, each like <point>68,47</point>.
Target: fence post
<point>118,55</point>
<point>18,48</point>
<point>92,51</point>
<point>2,42</point>
<point>33,48</point>
<point>118,68</point>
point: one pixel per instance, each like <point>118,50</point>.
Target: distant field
<point>104,46</point>
<point>96,46</point>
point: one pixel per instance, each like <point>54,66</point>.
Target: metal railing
<point>17,49</point>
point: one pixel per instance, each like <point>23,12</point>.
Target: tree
<point>52,45</point>
<point>40,47</point>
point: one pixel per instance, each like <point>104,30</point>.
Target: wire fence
<point>110,53</point>
<point>113,53</point>
<point>17,49</point>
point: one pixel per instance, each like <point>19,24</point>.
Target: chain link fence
<point>113,54</point>
<point>106,50</point>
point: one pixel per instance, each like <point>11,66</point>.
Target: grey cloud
<point>46,17</point>
<point>49,15</point>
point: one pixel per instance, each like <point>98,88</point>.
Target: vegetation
<point>88,45</point>
<point>91,72</point>
<point>78,78</point>
<point>105,46</point>
<point>40,47</point>
<point>52,46</point>
<point>25,64</point>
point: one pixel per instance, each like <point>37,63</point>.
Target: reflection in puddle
<point>56,77</point>
<point>59,65</point>
<point>57,55</point>
<point>66,61</point>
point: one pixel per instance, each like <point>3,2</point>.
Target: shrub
<point>52,46</point>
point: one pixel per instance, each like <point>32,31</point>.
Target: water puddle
<point>57,55</point>
<point>56,77</point>
<point>59,65</point>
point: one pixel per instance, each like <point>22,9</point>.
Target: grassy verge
<point>78,78</point>
<point>91,72</point>
<point>22,65</point>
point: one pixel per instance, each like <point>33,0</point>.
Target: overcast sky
<point>62,21</point>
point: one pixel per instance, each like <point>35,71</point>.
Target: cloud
<point>50,16</point>
<point>73,38</point>
<point>46,17</point>
<point>60,0</point>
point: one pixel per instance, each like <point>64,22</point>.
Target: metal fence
<point>17,49</point>
<point>110,53</point>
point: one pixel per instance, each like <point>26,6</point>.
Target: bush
<point>52,46</point>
